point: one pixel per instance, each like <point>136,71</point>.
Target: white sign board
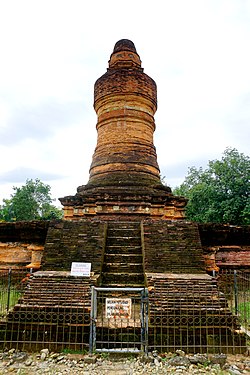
<point>80,269</point>
<point>118,308</point>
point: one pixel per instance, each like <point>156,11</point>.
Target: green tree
<point>32,201</point>
<point>220,193</point>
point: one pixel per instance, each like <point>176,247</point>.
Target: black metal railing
<point>194,315</point>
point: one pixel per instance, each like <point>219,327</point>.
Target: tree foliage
<point>220,193</point>
<point>31,201</point>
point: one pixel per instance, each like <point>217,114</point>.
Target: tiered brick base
<point>188,311</point>
<point>53,312</point>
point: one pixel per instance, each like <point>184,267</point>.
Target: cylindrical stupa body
<point>125,102</point>
<point>124,179</point>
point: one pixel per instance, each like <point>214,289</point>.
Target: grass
<point>244,311</point>
<point>13,298</point>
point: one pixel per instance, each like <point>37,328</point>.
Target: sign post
<point>118,308</point>
<point>80,269</point>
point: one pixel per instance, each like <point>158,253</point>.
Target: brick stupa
<point>124,175</point>
<point>140,248</point>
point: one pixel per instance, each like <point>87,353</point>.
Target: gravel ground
<point>22,363</point>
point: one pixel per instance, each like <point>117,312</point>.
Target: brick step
<point>56,292</point>
<point>165,303</point>
<point>123,267</point>
<point>177,286</point>
<point>189,293</point>
<point>180,298</point>
<point>111,284</point>
<point>123,225</point>
<point>54,302</point>
<point>126,249</point>
<point>63,284</point>
<point>124,235</point>
<point>169,315</point>
<point>66,309</point>
<point>54,298</point>
<point>123,258</point>
<point>57,287</point>
<point>174,283</point>
<point>183,298</point>
<point>172,300</point>
<point>60,306</point>
<point>51,292</point>
<point>122,278</point>
<point>123,242</point>
<point>66,285</point>
<point>188,304</point>
<point>75,281</point>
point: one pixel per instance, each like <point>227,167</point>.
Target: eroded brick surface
<point>124,174</point>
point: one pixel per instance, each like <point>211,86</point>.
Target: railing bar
<point>105,289</point>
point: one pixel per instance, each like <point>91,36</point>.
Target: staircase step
<point>123,258</point>
<point>122,285</point>
<point>123,278</point>
<point>119,266</point>
<point>124,225</point>
<point>125,241</point>
<point>126,249</point>
<point>123,255</point>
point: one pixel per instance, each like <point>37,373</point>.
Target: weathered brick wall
<point>172,247</point>
<point>14,254</point>
<point>24,231</point>
<point>233,257</point>
<point>223,234</point>
<point>228,245</point>
<point>68,242</point>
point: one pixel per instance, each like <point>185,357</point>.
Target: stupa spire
<point>125,103</point>
<point>124,176</point>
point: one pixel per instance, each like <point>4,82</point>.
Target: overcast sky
<point>52,52</point>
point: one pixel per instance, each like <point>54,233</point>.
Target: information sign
<point>118,308</point>
<point>80,269</point>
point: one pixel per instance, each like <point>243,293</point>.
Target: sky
<point>53,51</point>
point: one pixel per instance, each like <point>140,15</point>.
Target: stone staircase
<point>122,265</point>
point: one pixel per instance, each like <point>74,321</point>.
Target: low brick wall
<point>172,247</point>
<point>226,246</point>
<point>24,231</point>
<point>17,239</point>
<point>67,242</point>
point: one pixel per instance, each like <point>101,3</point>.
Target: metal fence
<point>200,316</point>
<point>61,315</point>
<point>52,312</point>
<point>12,285</point>
<point>119,320</point>
<point>236,287</point>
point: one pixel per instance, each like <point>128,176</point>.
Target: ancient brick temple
<point>124,174</point>
<point>131,228</point>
